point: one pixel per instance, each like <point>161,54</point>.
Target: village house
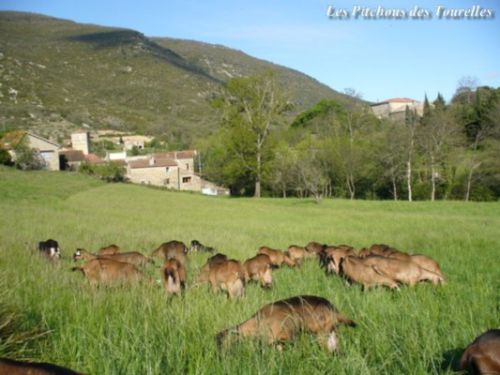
<point>173,170</point>
<point>395,108</point>
<point>79,152</point>
<point>80,140</point>
<point>71,159</point>
<point>126,140</point>
<point>131,141</point>
<point>47,149</point>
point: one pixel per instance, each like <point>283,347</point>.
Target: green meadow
<point>48,313</point>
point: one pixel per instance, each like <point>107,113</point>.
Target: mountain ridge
<point>56,75</point>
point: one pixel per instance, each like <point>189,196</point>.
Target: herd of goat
<point>280,321</point>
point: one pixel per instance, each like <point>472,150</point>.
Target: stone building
<point>131,141</point>
<point>80,140</point>
<point>396,108</point>
<point>71,159</point>
<point>47,149</point>
<point>173,170</point>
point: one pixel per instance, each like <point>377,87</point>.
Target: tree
<point>311,176</point>
<point>466,87</point>
<point>478,113</point>
<point>393,153</point>
<point>352,145</point>
<point>110,172</point>
<point>411,127</point>
<point>344,148</point>
<point>28,158</point>
<point>283,172</point>
<point>438,134</point>
<point>252,106</point>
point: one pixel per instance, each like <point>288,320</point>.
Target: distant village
<point>173,170</point>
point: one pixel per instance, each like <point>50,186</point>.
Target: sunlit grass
<point>139,331</point>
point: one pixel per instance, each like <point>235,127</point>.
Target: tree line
<point>451,151</point>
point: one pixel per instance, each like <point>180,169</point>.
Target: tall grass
<point>137,330</point>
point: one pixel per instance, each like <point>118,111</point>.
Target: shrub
<point>28,158</point>
<point>111,172</point>
<point>5,158</point>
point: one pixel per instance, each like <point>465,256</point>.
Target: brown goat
<point>13,367</point>
<point>204,272</point>
<point>228,276</point>
<point>108,250</point>
<point>277,257</point>
<point>281,321</point>
<point>429,264</point>
<point>259,269</point>
<point>132,257</point>
<point>355,270</point>
<point>174,276</point>
<point>385,251</point>
<point>297,253</point>
<point>331,256</point>
<point>172,250</point>
<point>482,356</point>
<point>104,270</point>
<point>405,272</point>
<point>314,247</point>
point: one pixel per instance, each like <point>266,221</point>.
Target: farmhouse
<point>46,148</point>
<point>396,108</point>
<point>174,170</point>
<point>80,151</point>
<point>71,159</point>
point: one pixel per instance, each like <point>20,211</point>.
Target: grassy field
<point>139,331</point>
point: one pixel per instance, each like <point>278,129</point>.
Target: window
<point>166,169</point>
<point>185,180</point>
<point>167,181</point>
<point>187,166</point>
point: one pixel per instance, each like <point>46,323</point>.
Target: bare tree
<point>355,117</point>
<point>311,176</point>
<point>411,127</point>
<point>467,85</point>
<point>392,154</point>
<point>438,134</point>
<point>283,173</point>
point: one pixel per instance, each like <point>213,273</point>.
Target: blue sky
<point>379,58</point>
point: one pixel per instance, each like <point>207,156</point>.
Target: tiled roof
<point>400,100</point>
<point>93,159</point>
<point>153,162</point>
<point>185,154</point>
<point>73,155</point>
